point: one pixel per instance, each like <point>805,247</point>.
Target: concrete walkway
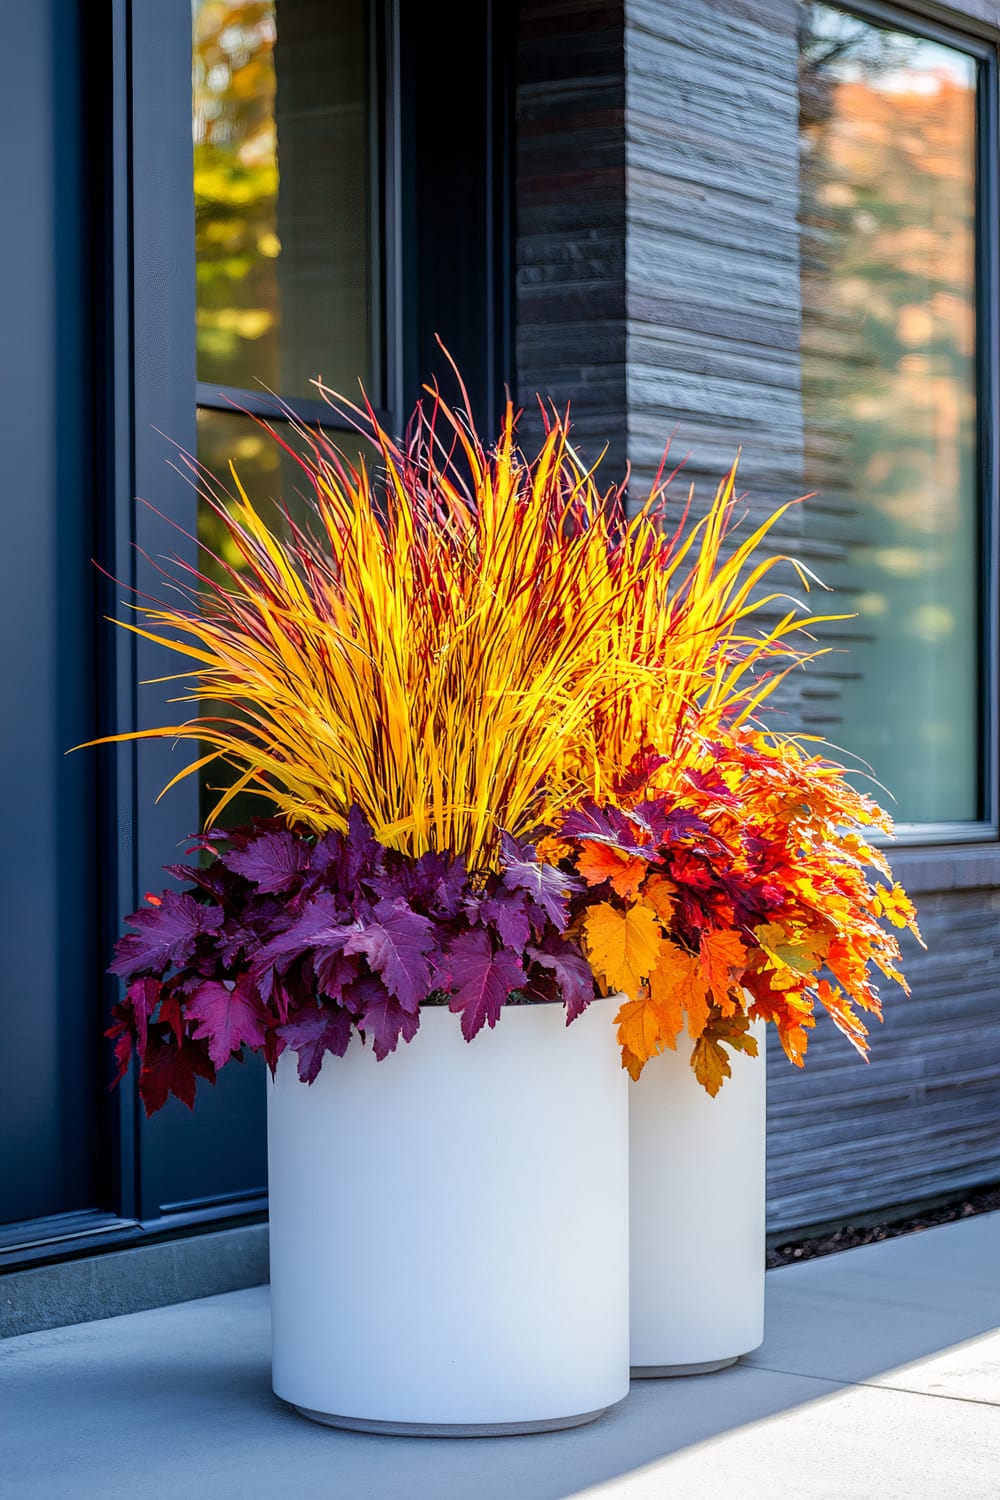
<point>879,1378</point>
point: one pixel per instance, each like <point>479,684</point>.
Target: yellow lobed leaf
<point>622,947</point>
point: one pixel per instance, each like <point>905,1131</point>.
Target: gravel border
<point>983,1201</point>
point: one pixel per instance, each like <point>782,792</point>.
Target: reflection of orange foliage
<point>888,214</point>
<point>895,271</point>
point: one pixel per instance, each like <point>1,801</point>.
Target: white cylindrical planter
<point>449,1228</point>
<point>697,1214</point>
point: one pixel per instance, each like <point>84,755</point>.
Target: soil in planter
<point>985,1200</point>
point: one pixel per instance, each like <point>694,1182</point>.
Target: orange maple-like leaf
<point>696,1001</point>
<point>710,1063</point>
<point>633,1065</point>
<point>667,986</point>
<point>622,947</point>
<point>723,961</point>
<point>675,985</point>
<point>661,895</point>
<point>735,1032</point>
<point>551,850</point>
<point>599,862</point>
<point>844,1018</point>
<point>638,1033</point>
<point>896,905</point>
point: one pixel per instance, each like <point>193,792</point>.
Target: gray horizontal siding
<point>923,1117</point>
<point>712,243</point>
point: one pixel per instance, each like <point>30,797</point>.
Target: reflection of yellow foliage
<point>235,189</point>
<point>248,324</point>
<point>902,562</point>
<point>930,622</point>
<point>249,448</point>
<point>871,604</point>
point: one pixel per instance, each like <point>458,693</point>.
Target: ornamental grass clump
<point>506,740</point>
<point>463,641</point>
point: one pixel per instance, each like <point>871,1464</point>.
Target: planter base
<point>450,1429</point>
<point>662,1372</point>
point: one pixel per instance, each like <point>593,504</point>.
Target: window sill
<point>948,867</point>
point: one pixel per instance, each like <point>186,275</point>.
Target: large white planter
<point>697,1215</point>
<point>449,1228</point>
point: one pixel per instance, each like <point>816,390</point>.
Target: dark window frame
<point>146,402</point>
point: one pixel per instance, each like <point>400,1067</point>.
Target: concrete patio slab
<point>878,1378</point>
<point>883,1314</point>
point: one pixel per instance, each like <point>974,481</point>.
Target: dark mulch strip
<point>985,1201</point>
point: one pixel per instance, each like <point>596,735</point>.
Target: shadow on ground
<point>176,1402</point>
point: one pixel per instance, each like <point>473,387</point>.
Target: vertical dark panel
<point>454,229</point>
<point>569,193</point>
<point>48,1105</point>
<point>218,1151</point>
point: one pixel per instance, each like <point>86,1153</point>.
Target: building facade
<point>766,225</point>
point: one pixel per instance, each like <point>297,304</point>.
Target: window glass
<point>888,216</point>
<point>283,192</point>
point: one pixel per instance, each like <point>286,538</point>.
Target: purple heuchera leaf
<point>481,980</point>
<point>650,818</point>
<point>384,1020</point>
<point>572,972</point>
<point>318,925</point>
<point>507,911</point>
<point>433,881</point>
<point>335,973</point>
<point>546,886</point>
<point>274,862</point>
<point>605,827</point>
<point>712,784</point>
<point>314,1033</point>
<point>230,1016</point>
<point>363,854</point>
<point>396,945</point>
<point>682,825</point>
<point>213,878</point>
<point>167,934</point>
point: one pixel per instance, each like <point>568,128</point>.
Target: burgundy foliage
<point>286,940</point>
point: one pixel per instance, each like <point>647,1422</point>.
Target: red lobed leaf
<point>230,1015</point>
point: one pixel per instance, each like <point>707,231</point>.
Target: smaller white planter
<point>449,1228</point>
<point>697,1214</point>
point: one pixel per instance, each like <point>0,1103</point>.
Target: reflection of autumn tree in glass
<point>888,389</point>
<point>236,191</point>
<point>284,205</point>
